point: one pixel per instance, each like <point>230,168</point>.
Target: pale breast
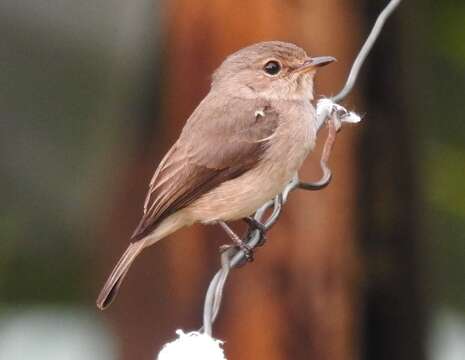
<point>240,197</point>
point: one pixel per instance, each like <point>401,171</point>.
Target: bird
<point>242,144</point>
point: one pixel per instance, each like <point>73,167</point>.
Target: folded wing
<point>222,140</point>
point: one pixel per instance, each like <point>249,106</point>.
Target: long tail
<point>111,287</point>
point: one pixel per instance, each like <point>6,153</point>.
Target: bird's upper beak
<point>315,62</point>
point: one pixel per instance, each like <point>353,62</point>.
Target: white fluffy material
<point>326,107</point>
<point>192,346</point>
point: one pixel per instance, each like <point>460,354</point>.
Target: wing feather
<point>222,139</point>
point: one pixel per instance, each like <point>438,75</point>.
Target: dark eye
<point>272,67</point>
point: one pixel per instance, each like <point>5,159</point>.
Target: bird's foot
<point>256,225</point>
<point>246,249</point>
<point>238,243</point>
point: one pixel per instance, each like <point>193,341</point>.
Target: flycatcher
<point>243,143</point>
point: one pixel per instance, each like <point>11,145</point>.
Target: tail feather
<point>113,283</point>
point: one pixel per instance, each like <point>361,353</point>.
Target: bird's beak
<point>315,62</point>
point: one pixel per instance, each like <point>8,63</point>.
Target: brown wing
<point>221,140</point>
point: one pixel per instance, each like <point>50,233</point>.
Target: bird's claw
<point>256,225</point>
<point>249,255</point>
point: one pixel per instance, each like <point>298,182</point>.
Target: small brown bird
<point>245,141</point>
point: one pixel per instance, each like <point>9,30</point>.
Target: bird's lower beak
<point>315,62</point>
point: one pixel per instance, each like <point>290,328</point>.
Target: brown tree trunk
<point>298,299</point>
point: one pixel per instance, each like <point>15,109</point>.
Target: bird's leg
<point>248,252</point>
<point>257,225</point>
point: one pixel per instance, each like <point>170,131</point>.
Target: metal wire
<point>365,50</point>
<point>233,258</point>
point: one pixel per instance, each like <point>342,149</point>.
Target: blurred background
<point>92,94</point>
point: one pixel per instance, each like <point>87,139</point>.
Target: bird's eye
<point>272,67</point>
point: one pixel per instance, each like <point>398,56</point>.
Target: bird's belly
<point>240,197</point>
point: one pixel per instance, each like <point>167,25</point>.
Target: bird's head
<point>272,69</point>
